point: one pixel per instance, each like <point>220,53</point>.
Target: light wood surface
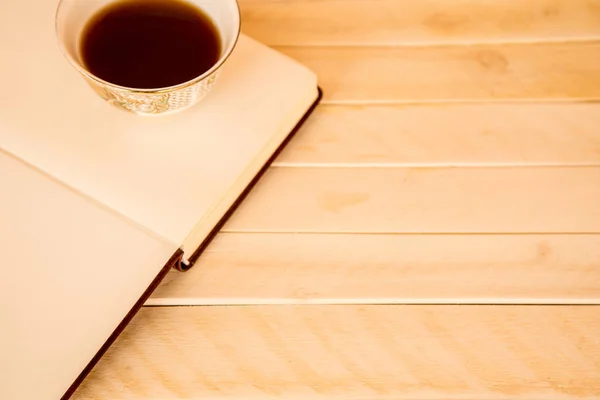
<point>280,268</point>
<point>453,135</point>
<point>424,200</point>
<point>423,22</point>
<point>432,232</point>
<point>518,72</point>
<point>354,352</point>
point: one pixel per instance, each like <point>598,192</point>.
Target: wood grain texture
<point>448,135</point>
<point>423,200</point>
<point>516,72</point>
<point>353,352</point>
<point>423,22</point>
<point>376,269</point>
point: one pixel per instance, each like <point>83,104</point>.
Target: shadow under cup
<point>72,17</point>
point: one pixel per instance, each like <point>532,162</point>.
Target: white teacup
<point>71,19</point>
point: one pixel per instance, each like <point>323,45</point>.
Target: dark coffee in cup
<point>150,44</point>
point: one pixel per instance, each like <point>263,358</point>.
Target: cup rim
<point>171,88</point>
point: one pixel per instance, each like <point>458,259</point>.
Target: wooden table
<point>433,232</point>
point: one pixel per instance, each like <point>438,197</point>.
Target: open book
<point>96,204</point>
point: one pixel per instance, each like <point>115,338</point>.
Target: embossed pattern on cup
<point>160,102</point>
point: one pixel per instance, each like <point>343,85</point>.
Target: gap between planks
<point>435,165</point>
<point>191,302</point>
<point>236,231</point>
<point>441,45</point>
<point>460,101</point>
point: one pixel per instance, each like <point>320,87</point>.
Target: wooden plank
<point>516,72</point>
<point>423,22</point>
<point>448,135</point>
<point>423,200</point>
<point>384,269</point>
<point>353,352</point>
